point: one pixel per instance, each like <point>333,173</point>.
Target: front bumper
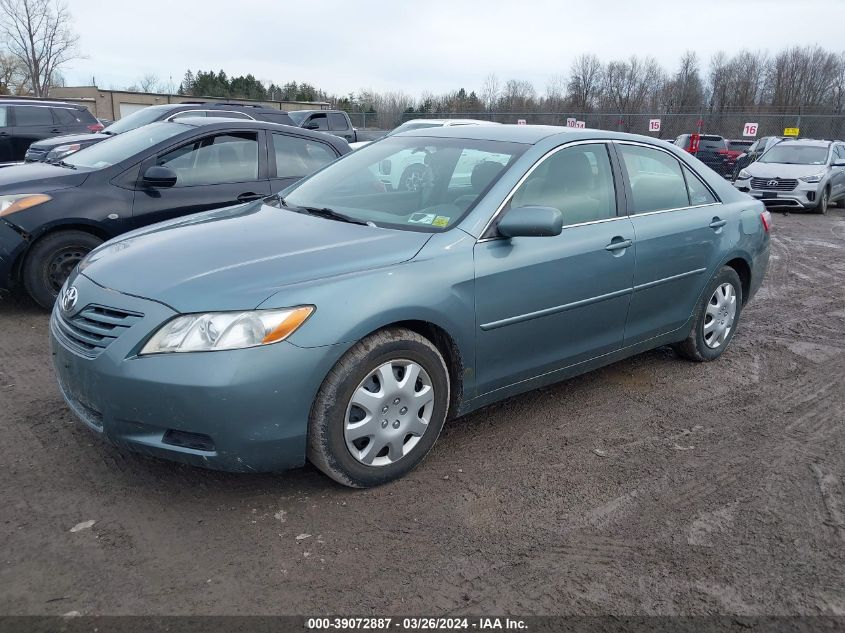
<point>805,195</point>
<point>240,410</point>
<point>12,245</point>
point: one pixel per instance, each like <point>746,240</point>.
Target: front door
<point>213,171</point>
<point>6,144</point>
<point>680,228</point>
<point>544,303</point>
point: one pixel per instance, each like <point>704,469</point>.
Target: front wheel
<point>51,260</point>
<point>824,202</point>
<point>717,316</point>
<point>380,409</point>
<point>412,177</point>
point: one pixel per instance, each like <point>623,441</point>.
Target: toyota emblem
<point>772,183</point>
<point>68,298</point>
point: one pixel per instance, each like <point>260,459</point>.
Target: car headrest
<point>484,173</point>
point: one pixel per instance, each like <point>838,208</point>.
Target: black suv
<point>55,149</point>
<point>712,151</point>
<point>335,122</point>
<point>24,121</point>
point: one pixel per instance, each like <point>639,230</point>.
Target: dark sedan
<point>52,215</point>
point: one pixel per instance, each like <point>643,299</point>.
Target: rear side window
<point>297,157</point>
<point>187,113</point>
<point>214,159</point>
<point>657,182</point>
<point>272,117</point>
<point>33,115</point>
<point>338,121</point>
<point>698,192</point>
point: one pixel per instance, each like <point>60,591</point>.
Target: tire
<point>699,344</point>
<point>330,438</point>
<point>411,179</point>
<point>51,260</point>
<point>824,202</point>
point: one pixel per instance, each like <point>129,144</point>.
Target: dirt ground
<point>654,486</point>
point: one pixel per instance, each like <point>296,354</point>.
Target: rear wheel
<point>717,316</point>
<point>380,409</point>
<point>51,260</point>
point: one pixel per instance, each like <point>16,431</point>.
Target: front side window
<point>577,180</point>
<point>318,122</point>
<point>4,116</point>
<point>297,157</point>
<point>656,180</point>
<point>214,159</point>
<point>338,121</point>
<point>407,182</point>
<point>33,115</point>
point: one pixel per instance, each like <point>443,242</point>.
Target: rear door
<point>292,157</point>
<point>212,171</point>
<point>680,229</point>
<point>32,123</point>
<point>339,125</point>
<point>545,303</point>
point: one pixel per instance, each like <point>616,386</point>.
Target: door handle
<point>249,196</point>
<point>55,130</point>
<point>618,244</point>
<point>717,223</point>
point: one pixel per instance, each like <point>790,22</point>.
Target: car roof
<point>38,102</point>
<point>448,122</point>
<point>249,124</point>
<point>310,111</point>
<point>527,134</point>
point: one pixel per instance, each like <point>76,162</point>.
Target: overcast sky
<point>343,46</point>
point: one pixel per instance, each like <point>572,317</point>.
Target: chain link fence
<point>728,125</point>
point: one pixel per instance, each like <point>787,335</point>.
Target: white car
<point>405,172</point>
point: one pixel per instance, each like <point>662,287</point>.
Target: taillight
<point>96,127</point>
<point>766,219</point>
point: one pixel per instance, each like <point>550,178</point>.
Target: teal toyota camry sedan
<point>344,322</point>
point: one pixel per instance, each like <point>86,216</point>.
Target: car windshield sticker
<point>422,218</point>
<point>441,220</point>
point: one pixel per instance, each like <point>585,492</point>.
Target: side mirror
<point>385,166</point>
<point>531,222</point>
<point>157,176</point>
<point>839,162</point>
<point>311,126</point>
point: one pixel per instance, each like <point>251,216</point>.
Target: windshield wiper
<point>331,214</point>
<point>62,163</point>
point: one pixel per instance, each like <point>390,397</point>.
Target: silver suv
<point>801,174</point>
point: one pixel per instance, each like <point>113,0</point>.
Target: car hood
<point>38,178</point>
<point>782,170</point>
<point>55,141</point>
<point>235,258</point>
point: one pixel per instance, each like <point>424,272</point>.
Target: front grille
<point>93,328</point>
<point>774,184</point>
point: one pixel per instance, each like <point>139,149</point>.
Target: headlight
<point>215,331</point>
<point>20,201</point>
<point>743,175</point>
<point>57,153</point>
<point>813,178</point>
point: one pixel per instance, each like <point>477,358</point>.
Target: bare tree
<point>555,93</point>
<point>585,82</point>
<point>629,86</point>
<point>518,95</point>
<point>684,92</point>
<point>490,91</point>
<point>13,78</point>
<point>149,83</point>
<point>37,32</point>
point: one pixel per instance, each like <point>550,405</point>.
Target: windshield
<point>796,155</point>
<point>298,116</point>
<point>411,183</point>
<point>137,119</point>
<point>117,149</point>
<point>413,125</point>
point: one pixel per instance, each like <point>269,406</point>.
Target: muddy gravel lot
<point>653,486</point>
